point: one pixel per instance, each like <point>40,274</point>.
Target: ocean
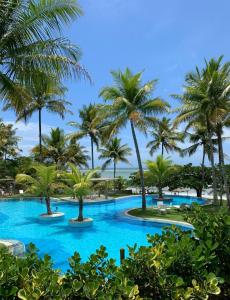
<point>124,172</point>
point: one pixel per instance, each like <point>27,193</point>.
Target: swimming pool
<point>19,220</point>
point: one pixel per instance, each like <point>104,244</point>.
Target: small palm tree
<point>43,184</point>
<point>80,184</point>
<point>159,171</point>
<point>114,152</point>
<point>132,103</point>
<point>91,125</point>
<point>165,137</point>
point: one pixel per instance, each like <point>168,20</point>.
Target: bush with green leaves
<point>176,265</point>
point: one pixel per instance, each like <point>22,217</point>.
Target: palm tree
<point>206,98</point>
<point>58,150</point>
<point>91,125</point>
<point>199,138</point>
<point>165,137</point>
<point>159,171</point>
<point>30,42</point>
<point>132,103</point>
<point>114,152</point>
<point>80,184</point>
<point>45,94</point>
<point>43,184</point>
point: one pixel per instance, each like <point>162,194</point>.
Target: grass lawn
<point>153,213</point>
<point>172,214</point>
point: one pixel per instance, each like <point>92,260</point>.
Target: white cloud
<point>28,132</point>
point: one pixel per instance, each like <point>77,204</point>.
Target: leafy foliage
<point>159,172</point>
<point>80,184</point>
<point>30,42</point>
<point>114,152</point>
<point>165,136</point>
<point>189,176</point>
<point>8,141</point>
<point>43,183</point>
<point>56,149</point>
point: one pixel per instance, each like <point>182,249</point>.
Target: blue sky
<point>164,38</point>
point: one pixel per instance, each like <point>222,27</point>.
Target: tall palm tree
<point>45,94</point>
<point>81,185</point>
<point>114,152</point>
<point>56,149</point>
<point>159,171</point>
<point>165,137</point>
<point>132,103</point>
<point>207,97</point>
<point>42,184</point>
<point>30,41</point>
<point>91,125</point>
<point>199,138</point>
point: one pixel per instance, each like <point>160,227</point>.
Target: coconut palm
<point>45,94</point>
<point>81,185</point>
<point>132,103</point>
<point>114,152</point>
<point>58,150</point>
<point>43,184</point>
<point>30,42</point>
<point>165,137</point>
<point>207,98</point>
<point>199,138</point>
<point>91,125</point>
<point>159,172</point>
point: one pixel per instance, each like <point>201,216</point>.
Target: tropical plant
<point>91,125</point>
<point>8,141</point>
<point>114,152</point>
<point>159,171</point>
<point>165,137</point>
<point>132,103</point>
<point>80,184</point>
<point>192,177</point>
<point>45,94</point>
<point>206,100</point>
<point>56,149</point>
<point>30,43</point>
<point>199,138</point>
<point>42,184</point>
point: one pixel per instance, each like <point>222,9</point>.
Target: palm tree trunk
<point>214,182</point>
<point>114,174</point>
<point>114,169</point>
<point>221,180</point>
<point>160,196</point>
<point>40,133</point>
<point>92,154</point>
<point>80,215</point>
<point>140,166</point>
<point>162,150</point>
<point>222,168</point>
<point>49,212</point>
<point>202,167</point>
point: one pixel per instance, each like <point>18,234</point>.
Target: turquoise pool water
<point>19,220</point>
